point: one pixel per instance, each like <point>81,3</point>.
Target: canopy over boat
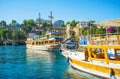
<point>108,23</point>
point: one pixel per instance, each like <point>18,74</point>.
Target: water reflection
<point>49,64</point>
<point>53,65</point>
<point>75,74</point>
<point>17,62</point>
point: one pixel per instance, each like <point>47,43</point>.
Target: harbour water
<point>17,62</point>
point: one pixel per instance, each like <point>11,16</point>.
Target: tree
<point>3,33</point>
<point>67,23</point>
<point>30,22</point>
<point>43,33</point>
<point>8,35</point>
<point>73,23</point>
<point>3,23</point>
<point>14,22</point>
<point>63,25</point>
<point>25,22</point>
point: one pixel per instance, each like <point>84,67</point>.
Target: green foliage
<point>63,25</point>
<point>73,23</point>
<point>17,35</point>
<point>8,35</point>
<point>67,23</point>
<point>14,22</point>
<point>3,23</point>
<point>86,32</point>
<point>29,22</point>
<point>3,33</point>
<point>25,22</point>
<point>48,26</point>
<point>43,34</point>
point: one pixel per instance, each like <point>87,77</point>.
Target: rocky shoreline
<point>12,43</point>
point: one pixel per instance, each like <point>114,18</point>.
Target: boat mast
<point>51,17</point>
<point>39,19</point>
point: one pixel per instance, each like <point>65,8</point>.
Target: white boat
<point>67,47</point>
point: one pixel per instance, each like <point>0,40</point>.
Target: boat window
<point>118,52</point>
<point>97,53</point>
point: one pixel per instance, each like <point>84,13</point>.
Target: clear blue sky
<point>66,10</point>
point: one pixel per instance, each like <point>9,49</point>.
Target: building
<point>58,23</point>
<point>33,36</point>
<point>84,24</point>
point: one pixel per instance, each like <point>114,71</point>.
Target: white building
<point>33,36</point>
<point>84,24</point>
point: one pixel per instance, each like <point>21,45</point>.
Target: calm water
<point>21,63</point>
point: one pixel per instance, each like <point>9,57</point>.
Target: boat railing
<point>110,40</point>
<point>43,42</point>
<point>106,53</point>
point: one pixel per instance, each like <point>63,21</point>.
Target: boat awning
<point>114,23</point>
<point>56,38</point>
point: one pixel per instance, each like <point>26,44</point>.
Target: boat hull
<point>98,70</point>
<point>44,47</point>
<point>65,52</point>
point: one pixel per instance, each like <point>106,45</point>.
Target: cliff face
<point>76,31</point>
<point>70,30</point>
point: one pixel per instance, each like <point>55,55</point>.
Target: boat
<point>99,56</point>
<point>97,59</point>
<point>67,46</point>
<point>49,42</point>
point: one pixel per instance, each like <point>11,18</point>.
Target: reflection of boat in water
<point>51,42</point>
<point>75,74</point>
<point>33,55</point>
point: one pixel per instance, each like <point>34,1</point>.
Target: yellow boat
<point>100,57</point>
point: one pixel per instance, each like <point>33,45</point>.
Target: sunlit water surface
<point>17,62</point>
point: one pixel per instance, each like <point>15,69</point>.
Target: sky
<point>66,10</point>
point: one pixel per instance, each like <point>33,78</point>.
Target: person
<point>86,54</point>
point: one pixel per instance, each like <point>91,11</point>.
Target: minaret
<point>51,17</point>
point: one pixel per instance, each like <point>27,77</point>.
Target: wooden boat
<point>45,43</point>
<point>99,57</point>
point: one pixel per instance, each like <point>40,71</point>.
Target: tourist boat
<point>67,46</point>
<point>98,57</point>
<point>45,43</point>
